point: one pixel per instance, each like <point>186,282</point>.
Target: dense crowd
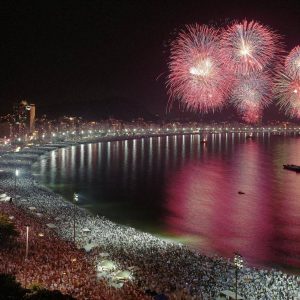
<point>54,263</point>
<point>159,267</point>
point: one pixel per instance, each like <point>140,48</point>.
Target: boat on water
<point>292,167</point>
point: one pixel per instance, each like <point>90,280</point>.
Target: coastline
<point>127,238</point>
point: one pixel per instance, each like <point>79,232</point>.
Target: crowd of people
<point>54,263</point>
<point>158,266</point>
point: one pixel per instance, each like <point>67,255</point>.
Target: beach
<point>149,264</point>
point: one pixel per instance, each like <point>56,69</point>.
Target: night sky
<point>100,58</point>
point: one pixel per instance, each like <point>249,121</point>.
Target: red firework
<point>287,91</point>
<point>250,94</point>
<point>287,88</point>
<point>199,76</point>
<point>292,63</point>
<point>249,46</point>
<point>252,115</point>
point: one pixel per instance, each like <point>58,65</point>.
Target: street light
<point>75,199</point>
<point>27,240</point>
<point>26,253</point>
<point>17,172</point>
<point>238,263</point>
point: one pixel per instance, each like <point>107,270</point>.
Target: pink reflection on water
<point>263,224</point>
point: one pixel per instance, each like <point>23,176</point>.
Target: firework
<point>198,77</point>
<point>252,115</point>
<point>287,90</point>
<point>249,46</point>
<point>292,63</point>
<point>250,94</point>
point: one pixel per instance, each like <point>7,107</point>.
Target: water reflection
<point>262,224</point>
<point>125,163</point>
<point>72,163</point>
<point>81,162</point>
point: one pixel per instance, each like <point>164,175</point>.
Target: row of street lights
<point>237,260</point>
<point>238,263</point>
<point>75,199</point>
<point>17,172</point>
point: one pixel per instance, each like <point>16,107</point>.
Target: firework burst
<point>250,94</point>
<point>287,90</point>
<point>252,115</point>
<point>198,77</point>
<point>249,46</point>
<point>292,63</point>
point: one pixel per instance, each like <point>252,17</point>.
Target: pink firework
<point>199,76</point>
<point>250,94</point>
<point>292,63</point>
<point>249,46</point>
<point>287,90</point>
<point>252,115</point>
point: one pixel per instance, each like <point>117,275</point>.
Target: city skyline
<point>103,58</point>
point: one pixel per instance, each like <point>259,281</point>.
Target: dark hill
<point>117,107</point>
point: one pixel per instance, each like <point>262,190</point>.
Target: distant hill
<point>117,107</point>
<point>127,109</point>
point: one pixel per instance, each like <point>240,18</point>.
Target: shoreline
<point>111,243</point>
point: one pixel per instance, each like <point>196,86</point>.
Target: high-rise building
<point>32,118</point>
<point>23,118</point>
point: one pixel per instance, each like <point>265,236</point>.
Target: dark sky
<point>63,56</point>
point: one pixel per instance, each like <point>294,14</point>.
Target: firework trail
<point>249,46</point>
<point>250,94</point>
<point>199,76</point>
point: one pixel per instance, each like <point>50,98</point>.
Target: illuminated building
<point>32,118</point>
<point>23,119</point>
